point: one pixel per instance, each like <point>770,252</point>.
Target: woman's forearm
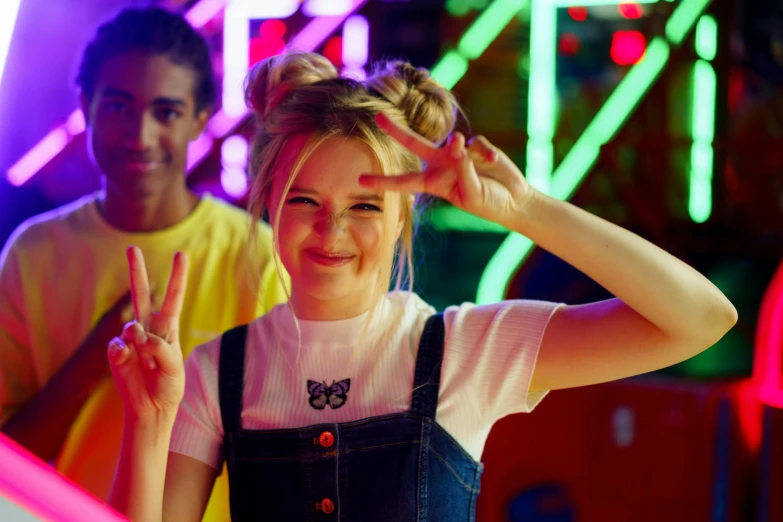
<point>137,488</point>
<point>661,288</point>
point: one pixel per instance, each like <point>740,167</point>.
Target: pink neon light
<point>221,123</point>
<point>75,123</point>
<point>198,150</point>
<point>234,182</point>
<point>769,344</point>
<point>327,7</point>
<point>204,11</point>
<point>319,30</point>
<point>356,41</point>
<point>26,481</point>
<point>41,154</point>
<point>308,39</point>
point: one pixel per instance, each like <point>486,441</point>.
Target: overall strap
<point>426,382</point>
<point>231,372</point>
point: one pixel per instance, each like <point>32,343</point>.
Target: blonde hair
<point>298,93</point>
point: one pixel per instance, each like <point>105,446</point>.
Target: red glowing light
<point>578,13</point>
<point>569,44</point>
<point>269,41</point>
<point>631,10</point>
<point>628,47</point>
<point>333,50</point>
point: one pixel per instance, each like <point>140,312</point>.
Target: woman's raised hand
<point>146,360</point>
<point>478,178</point>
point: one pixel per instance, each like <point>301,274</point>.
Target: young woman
<point>351,403</point>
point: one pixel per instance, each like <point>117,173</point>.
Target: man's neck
<point>149,214</point>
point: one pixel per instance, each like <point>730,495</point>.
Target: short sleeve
<point>198,429</point>
<point>18,382</point>
<point>491,352</point>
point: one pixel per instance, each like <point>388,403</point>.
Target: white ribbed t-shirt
<point>489,357</point>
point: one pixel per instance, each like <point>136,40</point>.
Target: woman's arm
<point>665,311</point>
<point>138,485</point>
<point>153,485</point>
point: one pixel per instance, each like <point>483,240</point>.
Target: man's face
<point>140,121</point>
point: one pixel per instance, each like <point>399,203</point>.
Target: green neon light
<point>454,64</point>
<point>515,248</point>
<point>707,38</point>
<point>542,101</point>
<point>683,18</point>
<point>450,69</point>
<point>448,217</point>
<point>610,117</point>
<point>487,27</point>
<point>703,133</point>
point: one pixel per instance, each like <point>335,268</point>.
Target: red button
<point>326,439</point>
<point>327,505</point>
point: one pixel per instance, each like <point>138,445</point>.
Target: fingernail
<point>116,346</point>
<point>149,362</point>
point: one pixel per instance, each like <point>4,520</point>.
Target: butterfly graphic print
<point>322,394</point>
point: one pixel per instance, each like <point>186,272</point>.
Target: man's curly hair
<point>156,31</point>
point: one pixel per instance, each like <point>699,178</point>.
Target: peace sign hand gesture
<point>479,178</point>
<point>146,360</point>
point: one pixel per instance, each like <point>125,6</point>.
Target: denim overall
<point>401,467</point>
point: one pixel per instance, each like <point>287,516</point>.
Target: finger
<point>133,333</point>
<point>118,352</point>
<point>140,286</point>
<point>455,146</point>
<point>175,293</point>
<point>469,184</point>
<point>157,353</point>
<point>412,141</point>
<point>480,148</point>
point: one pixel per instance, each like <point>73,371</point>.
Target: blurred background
<point>663,116</point>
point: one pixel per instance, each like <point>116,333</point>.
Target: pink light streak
<point>768,358</point>
<point>29,483</point>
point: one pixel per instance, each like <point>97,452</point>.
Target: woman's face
<point>331,229</point>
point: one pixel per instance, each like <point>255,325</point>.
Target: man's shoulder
<point>42,228</point>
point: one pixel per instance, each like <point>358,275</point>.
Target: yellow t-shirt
<point>61,271</point>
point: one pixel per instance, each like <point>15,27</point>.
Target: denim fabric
<point>398,468</point>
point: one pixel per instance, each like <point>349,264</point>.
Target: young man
<point>146,91</point>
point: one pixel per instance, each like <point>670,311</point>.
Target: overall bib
<point>400,467</point>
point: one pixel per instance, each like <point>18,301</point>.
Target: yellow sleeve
<point>17,376</point>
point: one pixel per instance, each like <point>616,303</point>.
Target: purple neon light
<point>204,11</point>
<point>54,142</point>
<point>308,39</point>
<point>38,156</point>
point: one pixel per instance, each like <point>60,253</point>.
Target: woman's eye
<point>367,207</point>
<point>302,201</point>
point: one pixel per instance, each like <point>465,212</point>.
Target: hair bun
<point>270,80</point>
<point>428,106</point>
